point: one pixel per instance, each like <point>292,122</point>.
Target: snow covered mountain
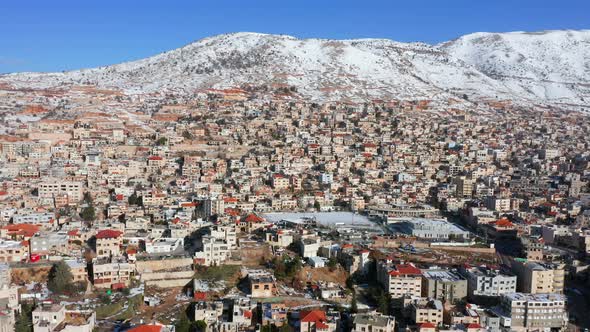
<point>552,66</point>
<point>544,68</point>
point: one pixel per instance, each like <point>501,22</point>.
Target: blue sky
<point>62,35</point>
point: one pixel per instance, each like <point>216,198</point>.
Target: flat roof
<point>442,275</point>
<point>540,297</point>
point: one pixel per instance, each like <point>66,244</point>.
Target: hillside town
<point>224,211</point>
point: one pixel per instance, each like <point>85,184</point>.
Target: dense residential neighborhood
<point>227,212</point>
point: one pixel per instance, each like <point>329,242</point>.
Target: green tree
<point>332,264</point>
<point>293,266</point>
<point>285,328</point>
<point>161,141</point>
<point>87,198</point>
<point>135,200</point>
<point>60,278</point>
<point>187,134</point>
<point>24,321</point>
<point>384,303</point>
<point>88,213</point>
<point>316,205</point>
<point>201,325</point>
<point>353,305</point>
<point>286,267</point>
<point>350,283</point>
<point>183,324</point>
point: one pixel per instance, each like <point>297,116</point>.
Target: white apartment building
<point>483,281</point>
<point>213,252</point>
<point>50,317</point>
<point>30,217</point>
<point>226,233</point>
<point>105,275</point>
<point>213,206</point>
<point>52,188</point>
<point>400,279</point>
<point>163,245</point>
<point>532,312</point>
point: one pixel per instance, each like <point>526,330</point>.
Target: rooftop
<point>442,275</point>
<point>542,297</point>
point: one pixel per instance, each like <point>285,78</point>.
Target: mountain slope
<point>545,68</point>
<point>551,65</point>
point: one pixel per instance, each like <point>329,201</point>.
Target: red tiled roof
<point>200,296</point>
<point>405,269</point>
<point>27,230</point>
<point>474,326</point>
<point>146,328</point>
<point>232,212</point>
<point>118,285</point>
<point>504,223</point>
<point>427,325</point>
<point>155,158</point>
<point>108,234</point>
<point>312,316</point>
<point>252,218</point>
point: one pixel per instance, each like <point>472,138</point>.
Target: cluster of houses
<point>196,181</point>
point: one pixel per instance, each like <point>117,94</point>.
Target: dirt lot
<point>167,310</point>
<point>252,255</point>
<point>309,274</point>
<point>170,306</point>
<point>30,274</point>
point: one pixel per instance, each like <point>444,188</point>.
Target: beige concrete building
<point>400,279</point>
<point>112,275</point>
<point>213,251</point>
<point>280,182</point>
<point>209,312</point>
<point>49,317</point>
<point>78,269</point>
<point>426,310</point>
<point>56,187</point>
<point>537,277</point>
<point>533,312</point>
<point>444,285</point>
<point>12,251</point>
<point>373,323</point>
<point>279,238</point>
<point>9,304</point>
<point>108,243</point>
<point>464,186</point>
<point>261,283</point>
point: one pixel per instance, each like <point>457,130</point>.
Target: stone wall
<point>149,276</point>
<point>168,283</point>
<point>163,264</point>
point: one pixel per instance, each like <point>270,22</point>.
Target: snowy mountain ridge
<point>548,68</point>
